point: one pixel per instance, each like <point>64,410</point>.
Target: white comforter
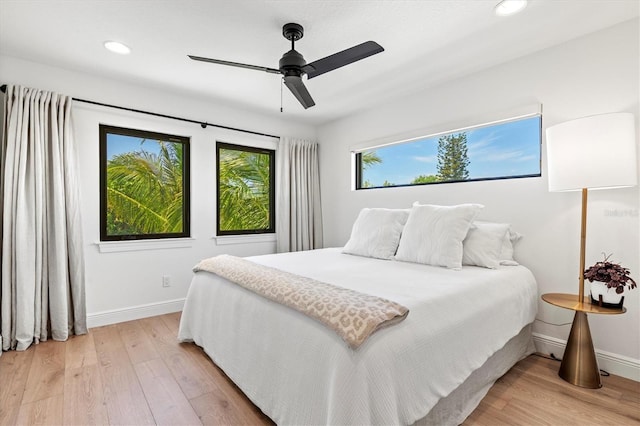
<point>299,372</point>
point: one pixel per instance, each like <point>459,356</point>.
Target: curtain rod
<point>204,125</point>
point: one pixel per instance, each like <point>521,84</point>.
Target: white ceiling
<point>426,42</point>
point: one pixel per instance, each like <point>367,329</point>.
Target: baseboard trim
<point>619,365</point>
<point>130,313</point>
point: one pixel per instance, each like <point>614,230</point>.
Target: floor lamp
<point>596,152</point>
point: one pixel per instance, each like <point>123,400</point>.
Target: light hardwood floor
<point>137,373</point>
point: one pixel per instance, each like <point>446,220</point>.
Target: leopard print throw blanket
<point>354,316</point>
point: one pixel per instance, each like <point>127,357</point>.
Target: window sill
<point>245,239</point>
<point>138,245</point>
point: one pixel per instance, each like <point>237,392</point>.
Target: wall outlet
<point>166,281</point>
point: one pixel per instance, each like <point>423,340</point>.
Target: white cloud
<point>483,143</point>
<point>426,159</point>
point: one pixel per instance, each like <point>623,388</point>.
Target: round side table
<point>579,366</point>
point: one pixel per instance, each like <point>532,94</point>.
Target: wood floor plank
<point>164,338</point>
<point>228,394</point>
<point>14,371</point>
<point>211,379</point>
<point>195,373</point>
<point>46,376</point>
<point>47,411</point>
<point>192,378</point>
<point>138,345</point>
<point>80,351</point>
<point>172,321</point>
<point>123,396</point>
<point>216,409</point>
<point>496,401</point>
<point>486,415</point>
<point>84,402</point>
<point>167,402</point>
<point>623,384</point>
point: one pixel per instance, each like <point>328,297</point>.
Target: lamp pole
<point>583,242</point>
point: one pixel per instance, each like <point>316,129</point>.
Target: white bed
<point>465,329</point>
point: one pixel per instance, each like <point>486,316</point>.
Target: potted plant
<point>608,281</point>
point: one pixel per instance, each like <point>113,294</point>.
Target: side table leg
<point>579,366</point>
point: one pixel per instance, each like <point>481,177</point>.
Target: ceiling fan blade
<point>235,64</point>
<point>341,59</point>
<point>295,84</point>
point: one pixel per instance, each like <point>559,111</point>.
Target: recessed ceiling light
<point>117,47</point>
<point>510,7</point>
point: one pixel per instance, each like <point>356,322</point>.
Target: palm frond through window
<point>144,184</point>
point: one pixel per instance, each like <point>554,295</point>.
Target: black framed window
<point>144,185</point>
<point>245,189</point>
<point>505,150</point>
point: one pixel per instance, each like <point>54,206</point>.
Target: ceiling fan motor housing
<point>292,63</point>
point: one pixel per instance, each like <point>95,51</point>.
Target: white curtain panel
<point>42,292</point>
<point>298,210</point>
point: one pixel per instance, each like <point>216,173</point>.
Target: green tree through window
<point>368,159</point>
<point>144,184</point>
<point>246,201</point>
<point>452,157</point>
<point>424,179</point>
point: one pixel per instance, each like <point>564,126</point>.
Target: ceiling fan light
<point>510,7</point>
<point>117,47</point>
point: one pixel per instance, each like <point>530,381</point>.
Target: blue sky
<point>508,149</point>
<point>119,144</point>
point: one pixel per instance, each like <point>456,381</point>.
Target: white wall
<point>595,74</point>
<point>125,285</point>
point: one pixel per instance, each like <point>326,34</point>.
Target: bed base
<point>460,403</point>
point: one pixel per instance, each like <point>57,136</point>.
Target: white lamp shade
<point>593,152</point>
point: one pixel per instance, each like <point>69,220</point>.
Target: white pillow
<point>483,245</point>
<point>506,252</point>
<point>376,233</point>
<point>433,235</point>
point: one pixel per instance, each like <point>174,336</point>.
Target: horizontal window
<point>144,185</point>
<point>510,149</point>
<point>246,189</point>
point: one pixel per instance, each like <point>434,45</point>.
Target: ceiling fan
<point>292,64</point>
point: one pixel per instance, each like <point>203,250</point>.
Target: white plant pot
<point>609,295</point>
